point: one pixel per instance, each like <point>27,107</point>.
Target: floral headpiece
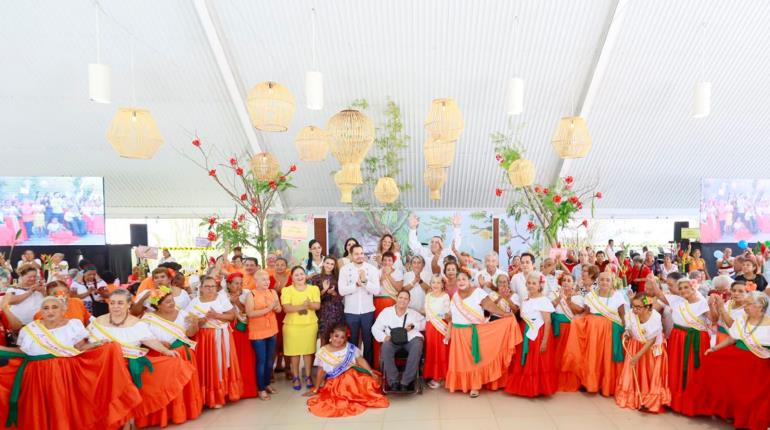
<point>158,294</point>
<point>233,275</point>
<point>646,300</point>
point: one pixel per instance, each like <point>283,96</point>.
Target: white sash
<point>750,340</point>
<point>603,308</point>
<point>169,327</point>
<point>470,314</point>
<point>221,336</point>
<point>129,351</point>
<point>46,340</point>
<point>640,334</point>
<point>436,321</point>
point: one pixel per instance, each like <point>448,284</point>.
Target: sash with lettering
<point>639,332</point>
<point>603,308</point>
<point>749,339</point>
<point>692,320</point>
<point>129,351</point>
<point>221,335</point>
<point>387,289</point>
<point>475,318</point>
<point>435,320</point>
<point>169,327</point>
<point>339,365</point>
<point>46,340</point>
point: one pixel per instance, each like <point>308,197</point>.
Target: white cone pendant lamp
<point>99,83</point>
<point>514,96</point>
<point>314,90</point>
<point>701,100</point>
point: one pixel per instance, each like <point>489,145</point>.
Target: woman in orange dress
<point>246,359</point>
<point>568,305</point>
<point>218,368</point>
<point>643,382</point>
<point>281,280</point>
<point>594,351</point>
<point>75,308</point>
<point>479,352</point>
<point>345,384</point>
<point>174,328</point>
<point>262,305</point>
<point>66,382</point>
<point>170,374</point>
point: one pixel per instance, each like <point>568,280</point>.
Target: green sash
<point>475,349</point>
<point>723,331</point>
<point>13,404</point>
<point>557,320</point>
<point>617,340</point>
<point>362,370</point>
<point>178,344</point>
<point>742,345</point>
<point>691,340</point>
<point>241,326</point>
<point>525,346</point>
<point>136,366</point>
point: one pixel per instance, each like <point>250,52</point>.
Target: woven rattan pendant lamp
<point>271,106</point>
<point>312,143</point>
<point>445,121</point>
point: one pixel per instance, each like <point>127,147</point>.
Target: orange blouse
<point>267,325</point>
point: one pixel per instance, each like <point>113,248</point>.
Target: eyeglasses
<point>638,307</point>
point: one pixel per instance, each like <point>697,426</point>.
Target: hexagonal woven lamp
<point>271,106</point>
<point>521,173</point>
<point>445,121</point>
<point>572,139</point>
<point>439,153</point>
<point>264,166</point>
<point>386,190</point>
<point>133,133</point>
<point>312,143</point>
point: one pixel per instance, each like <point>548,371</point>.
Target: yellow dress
<point>300,331</point>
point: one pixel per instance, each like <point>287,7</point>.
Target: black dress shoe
<point>400,388</point>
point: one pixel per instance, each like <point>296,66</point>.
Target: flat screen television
<point>732,210</point>
<point>51,211</point>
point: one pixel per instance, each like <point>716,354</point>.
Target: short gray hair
<point>760,299</point>
<point>722,280</point>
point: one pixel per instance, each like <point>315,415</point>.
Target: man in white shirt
<point>391,317</point>
<point>519,280</point>
<point>358,283</point>
<point>486,278</point>
<point>434,255</point>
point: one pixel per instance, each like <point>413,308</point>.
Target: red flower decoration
<point>580,206</point>
<point>598,194</point>
<point>239,171</point>
<point>282,178</point>
<point>568,187</point>
<point>196,143</point>
<point>233,161</point>
<point>585,223</point>
<point>546,190</point>
<point>272,184</point>
<point>212,236</point>
<point>254,210</point>
<point>530,226</point>
<point>241,217</point>
<point>538,189</point>
<point>569,180</point>
<point>244,197</point>
<point>212,220</point>
<point>293,168</point>
<point>253,200</point>
<point>574,200</point>
<point>498,157</point>
<point>557,199</point>
<point>234,225</point>
<point>498,192</point>
<point>213,172</point>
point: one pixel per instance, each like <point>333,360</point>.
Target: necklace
<point>114,324</point>
<point>755,327</point>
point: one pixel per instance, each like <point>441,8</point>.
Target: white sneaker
<point>434,384</point>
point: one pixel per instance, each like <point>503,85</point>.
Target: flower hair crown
<point>647,301</point>
<point>157,295</point>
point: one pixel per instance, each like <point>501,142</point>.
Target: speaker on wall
<point>138,234</point>
<point>678,226</point>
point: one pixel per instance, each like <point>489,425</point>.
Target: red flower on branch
<point>239,171</point>
<point>568,180</point>
<point>253,200</point>
<point>557,199</point>
<point>498,157</point>
<point>531,226</point>
<point>574,200</point>
<point>282,178</point>
<point>538,189</point>
<point>498,192</point>
<point>244,197</point>
<point>254,210</point>
<point>234,225</point>
<point>598,194</point>
<point>233,161</point>
<point>272,184</point>
<point>546,190</point>
<point>241,217</point>
<point>585,223</point>
<point>213,172</point>
<point>580,206</point>
<point>212,220</point>
<point>568,187</point>
<point>212,236</point>
<point>293,168</point>
<point>196,143</point>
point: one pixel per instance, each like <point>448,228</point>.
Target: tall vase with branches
<point>252,197</point>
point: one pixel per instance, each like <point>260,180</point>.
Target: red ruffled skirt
<point>732,383</point>
<point>90,391</point>
<point>676,369</point>
<point>247,361</point>
<point>436,354</point>
<point>538,376</point>
<point>497,345</point>
<point>184,407</point>
<point>62,237</point>
<point>566,381</point>
<point>588,354</point>
<point>347,395</point>
<point>217,391</point>
<point>380,303</point>
<point>649,387</point>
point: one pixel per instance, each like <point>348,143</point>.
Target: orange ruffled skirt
<point>538,375</point>
<point>90,391</point>
<point>347,395</point>
<point>497,345</point>
<point>566,381</point>
<point>216,391</point>
<point>651,376</point>
<point>247,361</point>
<point>186,406</point>
<point>588,355</point>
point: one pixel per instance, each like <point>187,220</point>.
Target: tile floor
<point>440,410</point>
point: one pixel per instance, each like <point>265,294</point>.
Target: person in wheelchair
<point>398,328</point>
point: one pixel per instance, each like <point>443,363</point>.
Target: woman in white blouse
<point>22,302</point>
<point>417,283</point>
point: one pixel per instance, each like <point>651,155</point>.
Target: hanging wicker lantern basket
<point>346,189</point>
<point>445,121</point>
<point>439,153</point>
<point>435,177</point>
<point>386,190</point>
<point>351,136</point>
<point>572,139</point>
<point>312,143</point>
<point>264,166</point>
<point>521,173</point>
<point>271,106</point>
<point>133,133</point>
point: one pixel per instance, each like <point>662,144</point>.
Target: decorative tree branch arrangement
<point>384,159</point>
<point>253,190</point>
<point>549,208</point>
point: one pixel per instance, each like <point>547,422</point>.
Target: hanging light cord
<point>315,59</point>
<point>98,36</point>
<point>133,79</point>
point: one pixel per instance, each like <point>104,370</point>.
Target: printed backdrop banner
<point>281,226</point>
<point>367,227</point>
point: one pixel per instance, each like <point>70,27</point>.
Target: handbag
<point>398,335</point>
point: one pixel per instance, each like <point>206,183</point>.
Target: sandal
<point>263,395</point>
<point>474,394</point>
<point>297,384</point>
<point>433,384</point>
<point>271,390</point>
<point>309,382</point>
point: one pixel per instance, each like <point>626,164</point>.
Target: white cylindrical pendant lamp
<point>314,90</point>
<point>514,96</point>
<point>99,83</point>
<point>701,100</point>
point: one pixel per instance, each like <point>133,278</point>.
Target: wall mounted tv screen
<point>52,211</point>
<point>735,209</point>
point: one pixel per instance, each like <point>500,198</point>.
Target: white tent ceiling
<point>629,66</point>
